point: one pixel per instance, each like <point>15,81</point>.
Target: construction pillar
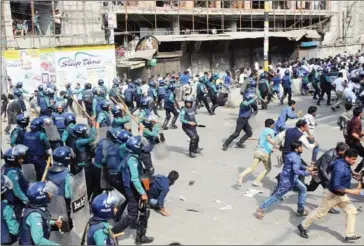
<point>266,34</point>
<point>176,30</point>
<point>233,27</point>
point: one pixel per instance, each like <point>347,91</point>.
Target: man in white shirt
<point>144,88</point>
<point>349,91</point>
<point>344,72</point>
<point>310,119</point>
<point>339,84</point>
<point>57,21</point>
<point>242,75</point>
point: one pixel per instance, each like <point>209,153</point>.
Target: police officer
<point>129,96</point>
<point>59,174</point>
<point>189,124</point>
<point>14,158</point>
<point>137,94</point>
<point>242,123</point>
<point>212,92</point>
<point>59,117</point>
<point>152,93</point>
<point>18,93</point>
<point>120,117</point>
<point>52,134</point>
<point>39,147</point>
<point>103,118</point>
<point>70,122</point>
<point>61,99</point>
<point>82,147</point>
<point>201,92</point>
<point>36,223</point>
<point>116,151</point>
<point>102,86</point>
<point>286,84</point>
<point>161,92</point>
<point>40,93</point>
<point>115,92</point>
<point>46,102</point>
<point>99,97</point>
<point>9,223</point>
<point>69,96</point>
<point>87,99</point>
<point>150,132</point>
<point>131,169</point>
<point>17,135</point>
<point>103,209</point>
<point>171,106</point>
<point>326,87</point>
<point>263,90</point>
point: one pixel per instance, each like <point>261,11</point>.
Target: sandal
<point>259,214</point>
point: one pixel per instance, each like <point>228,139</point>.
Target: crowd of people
<point>64,152</point>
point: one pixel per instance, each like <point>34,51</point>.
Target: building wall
<point>339,24</point>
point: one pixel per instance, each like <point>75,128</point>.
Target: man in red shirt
<point>355,133</point>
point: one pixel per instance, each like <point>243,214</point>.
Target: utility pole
<point>32,9</point>
<point>266,34</point>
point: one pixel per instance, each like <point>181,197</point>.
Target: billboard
<point>60,65</point>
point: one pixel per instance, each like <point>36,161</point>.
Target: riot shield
<point>52,133</point>
<point>29,172</point>
<point>234,98</point>
<point>80,211</point>
<point>104,182</point>
<point>57,208</point>
<point>160,150</point>
<point>101,133</point>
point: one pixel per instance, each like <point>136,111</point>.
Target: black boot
<point>192,148</point>
<point>165,124</point>
<point>227,142</point>
<point>173,123</point>
<point>143,240</point>
<point>302,231</point>
<point>198,150</point>
<point>240,144</point>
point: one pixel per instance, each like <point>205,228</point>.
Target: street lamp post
<point>266,34</point>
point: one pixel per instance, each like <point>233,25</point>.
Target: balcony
<point>228,8</point>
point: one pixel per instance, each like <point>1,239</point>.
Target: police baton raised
<point>126,111</point>
<point>83,110</point>
<point>46,169</point>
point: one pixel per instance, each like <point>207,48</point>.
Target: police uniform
<point>245,112</point>
<point>263,92</point>
<point>287,90</point>
<point>68,136</point>
<point>38,144</point>
<point>150,132</point>
<point>17,197</point>
<point>103,119</point>
<point>161,92</point>
<point>129,97</point>
<point>35,217</point>
<point>59,121</point>
<point>119,122</point>
<point>188,115</point>
<point>98,232</point>
<point>169,106</point>
<point>9,223</point>
<point>152,93</point>
<point>17,135</point>
<point>201,96</point>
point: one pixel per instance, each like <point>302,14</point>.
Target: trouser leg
<point>132,200</point>
<point>39,166</point>
<point>238,128</point>
<point>193,137</point>
<point>248,132</point>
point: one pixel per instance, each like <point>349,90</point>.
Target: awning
<point>130,64</point>
<point>143,55</point>
<point>172,54</point>
<point>291,35</point>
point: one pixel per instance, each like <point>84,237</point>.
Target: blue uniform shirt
<point>286,113</point>
<point>340,176</point>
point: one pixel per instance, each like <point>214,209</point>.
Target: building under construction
<point>193,35</point>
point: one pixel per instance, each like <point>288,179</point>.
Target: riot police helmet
<point>22,120</point>
<point>70,118</point>
<point>40,193</point>
<point>36,124</point>
<point>68,85</point>
<point>117,111</point>
<point>134,144</point>
<point>12,155</point>
<point>123,136</point>
<point>105,105</point>
<point>80,130</point>
<point>171,87</point>
<point>19,85</point>
<point>287,72</point>
<point>87,86</point>
<point>40,88</point>
<point>100,82</point>
<point>62,157</point>
<point>103,205</point>
<point>112,134</point>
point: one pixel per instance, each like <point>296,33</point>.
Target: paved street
<point>215,174</point>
